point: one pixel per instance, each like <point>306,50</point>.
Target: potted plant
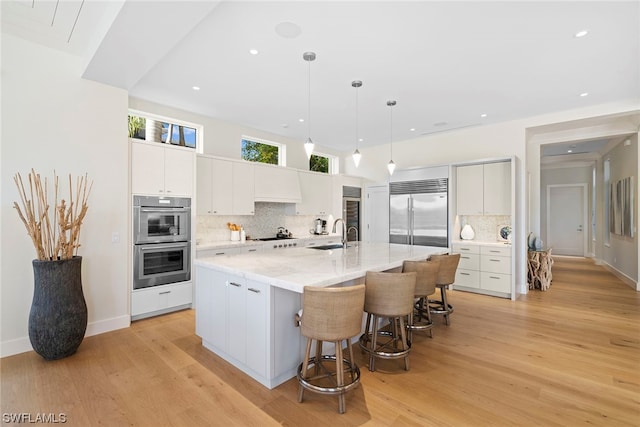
<point>58,315</point>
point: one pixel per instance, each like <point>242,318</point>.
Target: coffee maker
<point>319,227</point>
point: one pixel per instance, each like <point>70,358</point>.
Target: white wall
<point>622,251</point>
<point>52,119</point>
<point>223,138</point>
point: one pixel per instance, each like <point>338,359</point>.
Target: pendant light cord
<point>309,106</point>
<point>357,139</point>
<point>391,128</point>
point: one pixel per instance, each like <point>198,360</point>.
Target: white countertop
<point>296,268</point>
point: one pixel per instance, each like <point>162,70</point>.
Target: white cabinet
<point>233,311</point>
<point>224,187</point>
<point>160,299</point>
<point>160,170</point>
<point>316,189</point>
<point>497,188</point>
<point>469,190</point>
<point>484,268</point>
<point>276,184</point>
<point>484,189</point>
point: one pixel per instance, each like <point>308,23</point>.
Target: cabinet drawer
<point>160,297</point>
<point>495,282</point>
<point>495,264</point>
<point>469,261</point>
<point>459,248</point>
<point>496,250</point>
<point>468,278</point>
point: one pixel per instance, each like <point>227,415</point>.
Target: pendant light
<point>356,154</point>
<point>308,145</point>
<point>391,166</point>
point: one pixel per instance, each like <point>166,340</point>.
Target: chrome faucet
<point>344,231</point>
<point>353,227</point>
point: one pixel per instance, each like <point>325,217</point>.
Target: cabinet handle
<point>257,291</point>
<point>494,252</point>
<point>465,274</point>
<point>220,253</point>
<point>465,249</point>
<point>465,257</point>
<point>252,250</point>
<point>237,285</point>
<point>494,260</point>
<point>494,277</point>
<point>165,292</point>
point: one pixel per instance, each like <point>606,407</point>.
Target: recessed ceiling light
<point>583,94</point>
<point>569,151</point>
<point>412,129</point>
<point>361,139</point>
<point>195,87</point>
<point>581,34</point>
<point>483,115</point>
<point>301,120</point>
<point>253,51</point>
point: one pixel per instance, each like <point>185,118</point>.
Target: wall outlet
<point>115,237</point>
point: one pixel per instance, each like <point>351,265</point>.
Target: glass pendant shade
<point>308,147</point>
<point>356,157</point>
<point>391,166</point>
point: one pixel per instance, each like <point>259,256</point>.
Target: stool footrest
<point>313,383</point>
<point>384,350</point>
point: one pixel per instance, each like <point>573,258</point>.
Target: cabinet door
<point>222,190</point>
<point>178,172</point>
<point>497,188</point>
<point>204,303</point>
<point>243,189</point>
<point>257,330</point>
<point>469,190</point>
<point>276,184</point>
<point>315,189</point>
<point>236,319</point>
<point>147,169</point>
<point>218,308</point>
<point>204,183</point>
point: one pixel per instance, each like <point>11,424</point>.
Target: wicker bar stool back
<point>390,296</point>
<point>426,279</point>
<point>446,276</point>
<point>332,315</point>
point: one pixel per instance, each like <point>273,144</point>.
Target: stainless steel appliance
<point>162,240</point>
<point>418,212</point>
<point>351,199</point>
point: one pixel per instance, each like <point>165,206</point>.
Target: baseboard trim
<point>22,344</point>
<point>620,275</point>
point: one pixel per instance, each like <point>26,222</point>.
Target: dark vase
<point>58,316</point>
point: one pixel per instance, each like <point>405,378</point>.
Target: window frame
<point>334,163</point>
<point>199,128</point>
<point>282,149</point>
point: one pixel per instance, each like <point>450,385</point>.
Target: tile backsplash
<point>264,223</point>
<point>484,226</point>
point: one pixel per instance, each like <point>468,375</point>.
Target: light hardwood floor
<point>568,356</point>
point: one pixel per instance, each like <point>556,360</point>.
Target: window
<point>257,150</point>
<point>161,129</point>
<point>323,163</point>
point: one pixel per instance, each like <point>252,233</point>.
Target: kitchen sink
<point>326,247</point>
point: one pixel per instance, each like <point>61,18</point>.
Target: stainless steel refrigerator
<point>418,212</point>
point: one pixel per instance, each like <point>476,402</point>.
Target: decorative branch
<point>57,239</point>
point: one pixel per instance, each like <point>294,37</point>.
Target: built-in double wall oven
<point>162,240</point>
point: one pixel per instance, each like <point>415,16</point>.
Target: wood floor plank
<point>567,356</point>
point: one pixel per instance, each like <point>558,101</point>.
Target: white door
<point>377,213</point>
<point>567,219</point>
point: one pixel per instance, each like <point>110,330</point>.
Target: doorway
<point>567,220</point>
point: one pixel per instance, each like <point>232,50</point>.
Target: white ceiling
<point>445,63</point>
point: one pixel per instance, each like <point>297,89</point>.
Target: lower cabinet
<point>484,268</point>
<point>249,324</point>
<point>160,299</point>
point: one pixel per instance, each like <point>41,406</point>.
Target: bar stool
<point>446,276</point>
<point>426,278</point>
<point>388,295</point>
<point>334,315</point>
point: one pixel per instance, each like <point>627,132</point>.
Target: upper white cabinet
<point>224,187</point>
<point>484,189</point>
<point>497,188</point>
<point>161,170</point>
<point>317,190</point>
<point>276,184</point>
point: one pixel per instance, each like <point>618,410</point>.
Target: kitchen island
<point>245,304</point>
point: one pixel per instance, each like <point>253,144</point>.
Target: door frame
<point>585,217</point>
